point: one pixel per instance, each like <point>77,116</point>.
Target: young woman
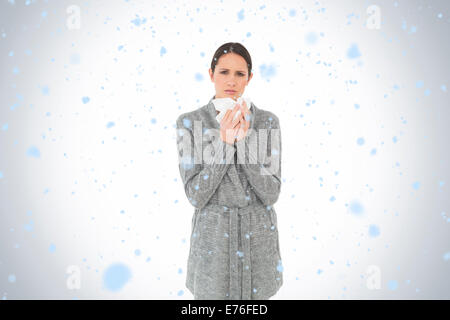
<point>234,247</point>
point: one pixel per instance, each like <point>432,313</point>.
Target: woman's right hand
<point>228,127</point>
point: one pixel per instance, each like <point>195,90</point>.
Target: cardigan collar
<point>212,111</point>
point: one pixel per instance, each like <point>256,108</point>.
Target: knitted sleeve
<point>200,178</point>
<point>264,174</point>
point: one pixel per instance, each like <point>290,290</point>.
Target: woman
<point>234,247</point>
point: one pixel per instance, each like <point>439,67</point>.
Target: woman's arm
<point>264,179</point>
<point>200,180</point>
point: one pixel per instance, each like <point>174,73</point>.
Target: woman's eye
<point>240,74</point>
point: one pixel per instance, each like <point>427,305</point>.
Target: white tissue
<point>223,104</point>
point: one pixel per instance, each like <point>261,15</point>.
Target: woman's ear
<point>249,78</point>
<point>211,75</point>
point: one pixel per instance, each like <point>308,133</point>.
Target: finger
<point>236,123</point>
<point>245,111</point>
<point>245,116</point>
<point>236,119</point>
<point>239,119</point>
<point>242,118</point>
<point>235,109</point>
<point>228,115</point>
<point>242,109</point>
<point>244,122</point>
<point>244,106</point>
<point>225,117</point>
<point>241,122</point>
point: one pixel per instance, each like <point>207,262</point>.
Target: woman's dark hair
<point>235,47</point>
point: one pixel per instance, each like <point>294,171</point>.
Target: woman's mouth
<point>230,91</point>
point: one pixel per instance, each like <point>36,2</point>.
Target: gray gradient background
<point>98,192</point>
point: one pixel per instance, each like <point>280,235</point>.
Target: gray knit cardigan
<point>234,247</point>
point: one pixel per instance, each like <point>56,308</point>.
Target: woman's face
<point>231,73</point>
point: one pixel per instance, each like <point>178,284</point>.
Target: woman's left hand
<point>244,122</point>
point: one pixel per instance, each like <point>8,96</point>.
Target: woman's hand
<point>244,123</point>
<point>228,127</point>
